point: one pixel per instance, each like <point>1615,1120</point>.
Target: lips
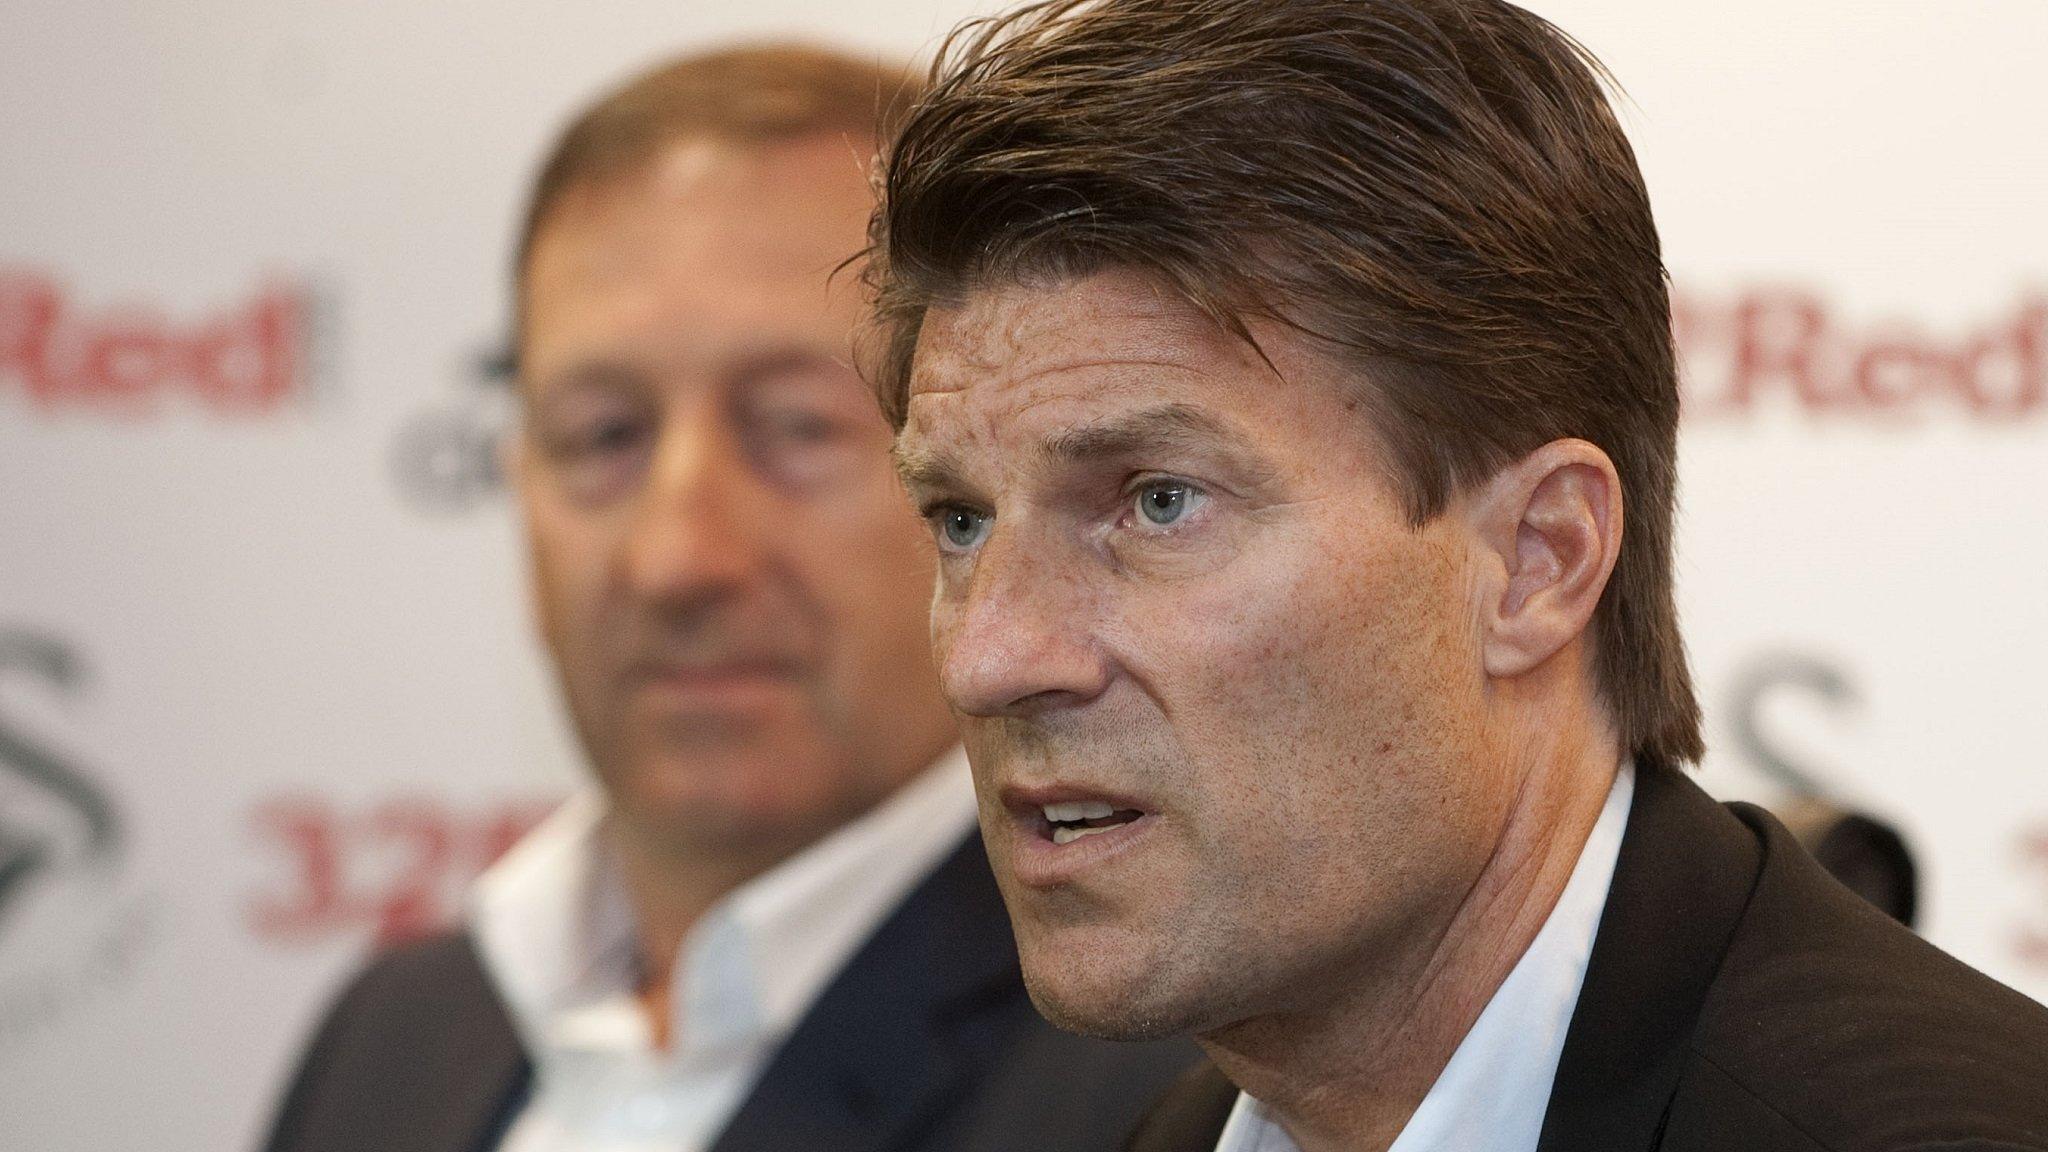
<point>724,670</point>
<point>1064,831</point>
<point>731,684</point>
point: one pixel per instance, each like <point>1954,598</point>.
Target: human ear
<point>1551,524</point>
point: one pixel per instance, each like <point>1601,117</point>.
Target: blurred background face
<point>1224,705</point>
<point>726,572</point>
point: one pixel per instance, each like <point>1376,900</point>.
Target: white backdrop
<point>266,688</point>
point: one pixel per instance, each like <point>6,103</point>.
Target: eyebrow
<point>600,372</point>
<point>777,360</point>
<point>926,469</point>
<point>739,374</point>
<point>1171,427</point>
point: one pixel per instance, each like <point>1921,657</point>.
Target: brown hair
<point>750,94</point>
<point>1437,189</point>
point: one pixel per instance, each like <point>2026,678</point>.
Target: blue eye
<point>961,529</point>
<point>1167,502</point>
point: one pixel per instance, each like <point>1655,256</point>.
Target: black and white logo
<point>445,459</point>
<point>70,928</point>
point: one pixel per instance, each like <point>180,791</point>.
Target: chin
<point>1103,1020</point>
<point>705,805</point>
<point>1126,1000</point>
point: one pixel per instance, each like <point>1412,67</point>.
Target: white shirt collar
<point>1493,1094</point>
<point>556,933</point>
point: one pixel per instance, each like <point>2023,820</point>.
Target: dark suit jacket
<point>924,1042</point>
<point>1739,1000</point>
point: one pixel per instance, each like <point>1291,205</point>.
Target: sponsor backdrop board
<point>267,694</point>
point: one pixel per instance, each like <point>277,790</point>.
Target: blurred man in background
<point>770,925</point>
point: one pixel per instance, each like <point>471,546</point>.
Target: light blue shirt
<point>1492,1095</point>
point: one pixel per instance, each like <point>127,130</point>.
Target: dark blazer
<point>1739,1000</point>
<point>924,1042</point>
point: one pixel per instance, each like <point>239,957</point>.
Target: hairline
<point>610,182</point>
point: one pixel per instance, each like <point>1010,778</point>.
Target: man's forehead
<point>1020,335</point>
<point>730,213</point>
<point>702,257</point>
<point>1115,366</point>
<point>1085,371</point>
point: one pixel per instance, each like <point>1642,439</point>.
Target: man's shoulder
<point>1839,1028</point>
<point>428,962</point>
<point>441,972</point>
<point>416,1041</point>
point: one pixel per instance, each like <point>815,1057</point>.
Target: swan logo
<point>68,929</point>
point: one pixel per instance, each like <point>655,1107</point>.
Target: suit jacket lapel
<point>891,1039</point>
<point>1684,876</point>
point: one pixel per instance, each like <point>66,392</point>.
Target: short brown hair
<point>1436,189</point>
<point>749,94</point>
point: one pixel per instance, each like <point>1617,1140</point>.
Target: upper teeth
<point>1073,810</point>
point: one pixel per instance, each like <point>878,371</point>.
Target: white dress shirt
<point>557,937</point>
<point>1492,1095</point>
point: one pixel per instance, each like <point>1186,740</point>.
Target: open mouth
<point>1072,820</point>
<point>1065,831</point>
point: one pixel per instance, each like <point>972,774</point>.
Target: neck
<point>1348,1073</point>
<point>670,888</point>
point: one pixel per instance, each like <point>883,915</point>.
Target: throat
<point>1347,1066</point>
<point>657,1005</point>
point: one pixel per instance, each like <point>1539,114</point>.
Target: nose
<point>1018,640</point>
<point>697,528</point>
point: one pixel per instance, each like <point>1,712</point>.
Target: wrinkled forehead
<point>1033,356</point>
<point>1025,385</point>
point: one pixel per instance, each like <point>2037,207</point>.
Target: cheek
<point>1317,693</point>
<point>1256,649</point>
<point>1329,628</point>
<point>866,570</point>
<point>569,557</point>
<point>870,564</point>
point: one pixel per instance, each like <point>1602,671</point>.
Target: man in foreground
<point>770,927</point>
<point>1288,385</point>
